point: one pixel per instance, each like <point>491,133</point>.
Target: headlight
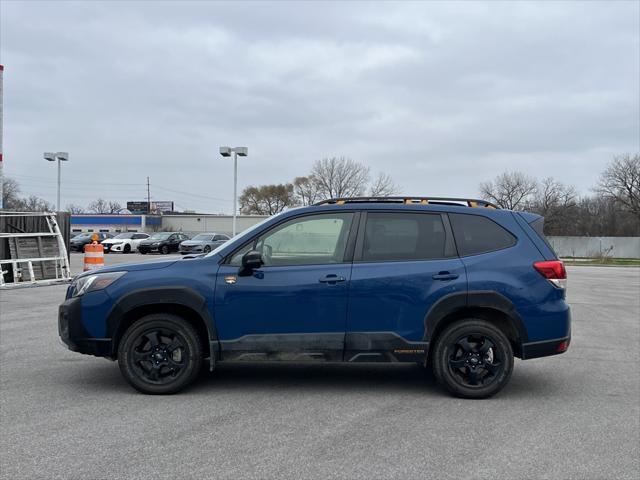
<point>155,243</point>
<point>91,283</point>
<point>116,243</point>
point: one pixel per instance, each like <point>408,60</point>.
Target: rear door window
<point>403,236</point>
<point>476,234</point>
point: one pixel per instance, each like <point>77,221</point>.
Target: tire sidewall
<point>441,360</point>
<point>168,322</point>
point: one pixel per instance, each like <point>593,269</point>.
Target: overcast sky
<point>439,95</point>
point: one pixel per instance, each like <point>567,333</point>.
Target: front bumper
<point>148,248</point>
<point>190,250</point>
<point>74,335</point>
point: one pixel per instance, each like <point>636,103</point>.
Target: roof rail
<point>468,202</point>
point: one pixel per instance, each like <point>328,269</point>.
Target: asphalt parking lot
<point>577,415</point>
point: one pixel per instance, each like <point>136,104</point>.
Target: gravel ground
<point>65,415</point>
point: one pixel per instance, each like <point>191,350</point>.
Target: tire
<point>164,250</point>
<point>160,354</point>
<point>142,252</point>
<point>126,249</point>
<point>207,249</point>
<point>473,358</point>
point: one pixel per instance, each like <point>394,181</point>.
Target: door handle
<point>331,279</point>
<point>445,276</point>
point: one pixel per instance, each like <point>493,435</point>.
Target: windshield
<point>124,235</point>
<point>83,235</point>
<point>159,236</point>
<point>203,237</point>
<point>234,239</point>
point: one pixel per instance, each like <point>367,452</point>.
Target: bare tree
<point>621,182</point>
<point>340,177</point>
<point>10,193</point>
<point>510,190</point>
<point>74,208</point>
<point>266,199</point>
<point>556,202</point>
<point>383,186</point>
<point>114,207</point>
<point>306,190</point>
<point>98,206</point>
<point>34,204</point>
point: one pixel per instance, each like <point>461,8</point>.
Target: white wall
<point>209,223</point>
<point>584,247</point>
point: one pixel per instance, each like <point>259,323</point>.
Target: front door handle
<point>445,276</point>
<point>331,279</point>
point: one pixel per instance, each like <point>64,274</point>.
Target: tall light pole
<point>226,152</point>
<point>60,157</point>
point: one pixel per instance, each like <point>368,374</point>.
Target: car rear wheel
<point>473,359</point>
<point>160,354</point>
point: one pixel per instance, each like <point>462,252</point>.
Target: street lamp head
<point>63,156</point>
<point>241,151</point>
<point>225,151</point>
<point>50,156</point>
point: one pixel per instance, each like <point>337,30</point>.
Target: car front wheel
<point>473,358</point>
<point>160,354</point>
<point>164,250</point>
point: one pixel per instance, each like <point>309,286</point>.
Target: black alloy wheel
<point>164,249</point>
<point>127,248</point>
<point>207,249</point>
<point>473,358</point>
<point>160,354</point>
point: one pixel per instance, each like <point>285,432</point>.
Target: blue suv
<point>456,284</point>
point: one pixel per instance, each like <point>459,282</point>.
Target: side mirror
<point>251,261</point>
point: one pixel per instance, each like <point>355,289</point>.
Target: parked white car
<point>124,242</point>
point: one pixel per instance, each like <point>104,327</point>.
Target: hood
<point>132,267</point>
<point>148,241</point>
<point>195,242</point>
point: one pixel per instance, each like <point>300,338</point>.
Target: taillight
<point>553,270</point>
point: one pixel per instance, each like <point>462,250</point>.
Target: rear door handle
<point>445,276</point>
<point>331,279</point>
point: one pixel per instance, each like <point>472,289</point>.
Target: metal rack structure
<point>36,258</point>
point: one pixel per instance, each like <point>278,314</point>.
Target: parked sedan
<point>77,243</point>
<point>124,242</point>
<point>162,242</point>
<point>203,243</point>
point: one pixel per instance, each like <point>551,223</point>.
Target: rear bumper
<point>545,348</point>
<point>74,335</point>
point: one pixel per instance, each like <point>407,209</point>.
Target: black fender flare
<point>174,295</point>
<point>475,299</point>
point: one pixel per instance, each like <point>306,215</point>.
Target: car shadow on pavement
<point>254,377</point>
<point>328,377</point>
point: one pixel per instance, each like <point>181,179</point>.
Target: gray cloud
<point>439,95</point>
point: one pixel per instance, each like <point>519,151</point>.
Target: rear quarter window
<point>476,234</point>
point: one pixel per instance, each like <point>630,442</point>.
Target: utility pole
<point>148,197</point>
<point>1,173</point>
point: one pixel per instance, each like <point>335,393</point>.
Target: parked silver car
<point>202,243</point>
